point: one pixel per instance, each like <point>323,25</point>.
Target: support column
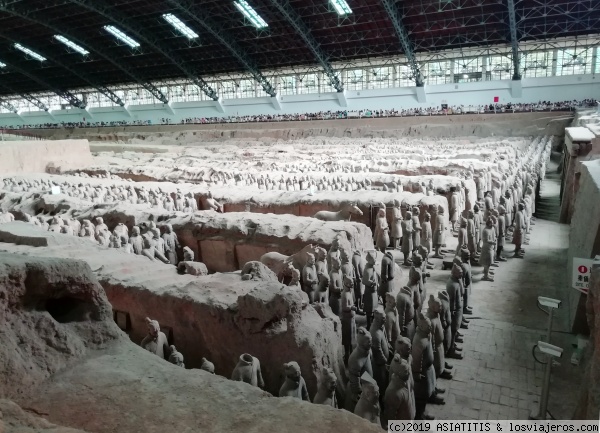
<point>421,94</point>
<point>218,104</point>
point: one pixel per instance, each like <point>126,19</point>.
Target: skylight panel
<point>122,36</point>
<point>29,52</point>
<point>72,45</point>
<point>341,7</point>
<point>250,14</point>
<point>180,26</point>
<point>2,65</point>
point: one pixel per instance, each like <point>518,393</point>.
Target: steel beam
<point>65,94</point>
<point>101,88</point>
<point>10,107</point>
<point>30,16</point>
<point>407,47</point>
<point>130,26</point>
<point>35,101</point>
<point>195,13</point>
<point>284,7</point>
<point>514,40</point>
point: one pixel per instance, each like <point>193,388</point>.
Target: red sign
<point>582,269</point>
<point>496,99</point>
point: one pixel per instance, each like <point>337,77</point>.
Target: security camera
<point>549,349</point>
<point>549,302</point>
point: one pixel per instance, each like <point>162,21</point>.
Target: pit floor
<point>498,377</point>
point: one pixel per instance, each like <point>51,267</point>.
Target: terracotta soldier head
<point>153,327</point>
<point>371,257</point>
<point>434,304</point>
<point>379,317</point>
<point>328,379</point>
<point>363,338</point>
<point>399,368</point>
<point>417,259</point>
<point>207,366</point>
<point>175,357</point>
<point>423,323</point>
<point>188,254</point>
<point>457,271</point>
<point>348,284</point>
<point>292,371</point>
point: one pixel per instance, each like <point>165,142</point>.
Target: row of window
<point>572,61</point>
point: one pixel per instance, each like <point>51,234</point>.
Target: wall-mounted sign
<point>582,271</point>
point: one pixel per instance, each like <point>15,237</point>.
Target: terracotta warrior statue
<point>334,251</point>
<point>136,241</point>
<point>175,357</point>
<point>416,234</point>
<point>100,226</point>
<point>207,366</point>
<point>439,234</point>
<point>171,244</point>
<point>392,324</point>
<point>358,263</point>
<point>380,349</point>
<point>335,287</point>
<point>213,204</point>
<point>310,281</point>
<point>399,404</point>
<point>368,404</point>
<point>248,370</point>
<point>403,347</point>
<point>426,235</point>
<point>347,318</point>
<point>454,207</point>
<point>407,238</point>
<point>406,312</point>
<point>415,282</point>
<point>358,363</point>
<point>437,338</point>
<point>382,237</point>
<point>422,367</point>
<point>387,276</point>
<point>321,261</point>
<point>488,238</point>
<point>396,224</point>
<point>471,233</point>
<point>370,280</point>
<point>156,341</point>
<point>465,257</point>
<point>519,230</point>
<point>462,234</point>
<point>454,288</point>
<point>326,391</point>
<point>346,268</point>
<point>294,385</point>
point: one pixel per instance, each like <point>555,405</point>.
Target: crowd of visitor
<point>329,115</point>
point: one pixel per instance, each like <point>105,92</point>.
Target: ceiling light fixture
<point>122,36</point>
<point>180,26</point>
<point>30,53</point>
<point>72,45</point>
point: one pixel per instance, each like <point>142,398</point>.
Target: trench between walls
<point>217,333</point>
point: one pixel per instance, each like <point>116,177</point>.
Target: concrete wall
<point>584,239</point>
<point>44,156</point>
<point>483,92</point>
